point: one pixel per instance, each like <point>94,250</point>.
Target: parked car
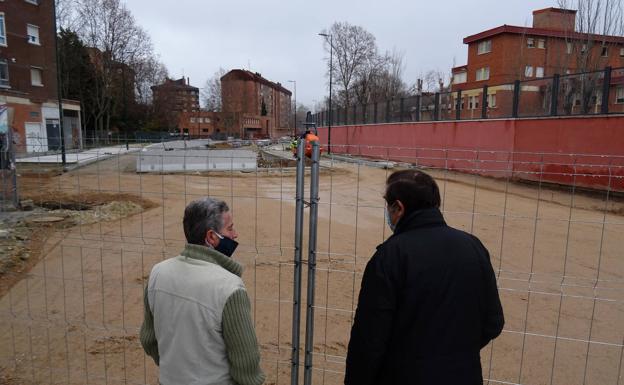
<point>263,142</point>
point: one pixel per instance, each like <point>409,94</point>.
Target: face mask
<point>226,245</point>
<point>388,220</point>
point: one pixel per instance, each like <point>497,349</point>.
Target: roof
<point>177,84</point>
<point>256,77</point>
<point>541,32</point>
<point>460,68</point>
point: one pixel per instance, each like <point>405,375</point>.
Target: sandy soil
<point>75,318</point>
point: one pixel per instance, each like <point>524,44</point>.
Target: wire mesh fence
<point>587,93</point>
<point>71,311</point>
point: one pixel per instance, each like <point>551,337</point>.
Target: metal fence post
<point>402,110</point>
<point>484,102</point>
<point>606,89</point>
<point>436,106</point>
<point>375,113</point>
<point>516,99</point>
<point>294,369</point>
<point>314,191</point>
<point>12,166</point>
<point>554,98</point>
<point>458,104</point>
<point>417,115</point>
<point>388,111</point>
<point>355,114</point>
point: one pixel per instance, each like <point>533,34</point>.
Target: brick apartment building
<point>252,107</point>
<point>176,101</point>
<point>28,83</point>
<point>499,56</point>
<point>256,106</point>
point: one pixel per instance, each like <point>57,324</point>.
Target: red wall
<point>580,151</point>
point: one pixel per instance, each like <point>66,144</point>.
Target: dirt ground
<point>75,317</point>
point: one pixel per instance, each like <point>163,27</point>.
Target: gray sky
<point>279,38</point>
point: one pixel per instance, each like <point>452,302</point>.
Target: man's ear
<point>399,208</point>
<point>211,238</point>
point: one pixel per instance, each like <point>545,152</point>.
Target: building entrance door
<point>54,134</point>
<point>35,139</point>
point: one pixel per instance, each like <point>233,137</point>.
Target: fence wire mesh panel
<point>75,266</point>
<point>555,245</point>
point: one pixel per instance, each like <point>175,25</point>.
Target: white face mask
<point>388,219</point>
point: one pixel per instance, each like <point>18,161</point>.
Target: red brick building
<point>173,98</point>
<point>178,95</point>
<point>259,107</point>
<point>499,56</point>
<point>28,83</point>
<point>199,123</point>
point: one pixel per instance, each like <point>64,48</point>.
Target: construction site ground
<point>71,311</point>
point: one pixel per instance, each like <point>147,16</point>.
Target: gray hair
<point>203,215</point>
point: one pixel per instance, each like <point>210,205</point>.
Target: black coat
<point>428,304</point>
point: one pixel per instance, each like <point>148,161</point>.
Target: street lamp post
<point>331,53</point>
<point>295,111</point>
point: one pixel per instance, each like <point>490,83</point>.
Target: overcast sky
<point>279,38</point>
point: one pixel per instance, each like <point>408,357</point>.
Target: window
<point>35,2</point>
<point>569,48</point>
<point>459,78</point>
<point>531,42</point>
<point>491,100</point>
<point>193,120</point>
<point>541,43</point>
<point>621,52</point>
<point>36,76</point>
<point>33,33</point>
<point>483,73</point>
<point>4,73</point>
<point>539,72</point>
<point>473,102</point>
<point>528,71</point>
<point>619,95</point>
<point>3,39</point>
<point>605,51</point>
<point>458,103</point>
<point>584,48</point>
<point>484,47</point>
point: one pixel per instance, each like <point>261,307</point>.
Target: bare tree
<point>596,22</point>
<point>148,72</point>
<point>353,47</point>
<point>436,81</point>
<point>211,93</point>
<point>366,86</point>
<point>117,43</point>
<point>66,17</point>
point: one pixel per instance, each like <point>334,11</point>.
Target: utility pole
<point>58,87</point>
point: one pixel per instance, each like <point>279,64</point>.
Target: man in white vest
<point>198,326</point>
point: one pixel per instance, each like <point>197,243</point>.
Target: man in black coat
<point>428,302</point>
